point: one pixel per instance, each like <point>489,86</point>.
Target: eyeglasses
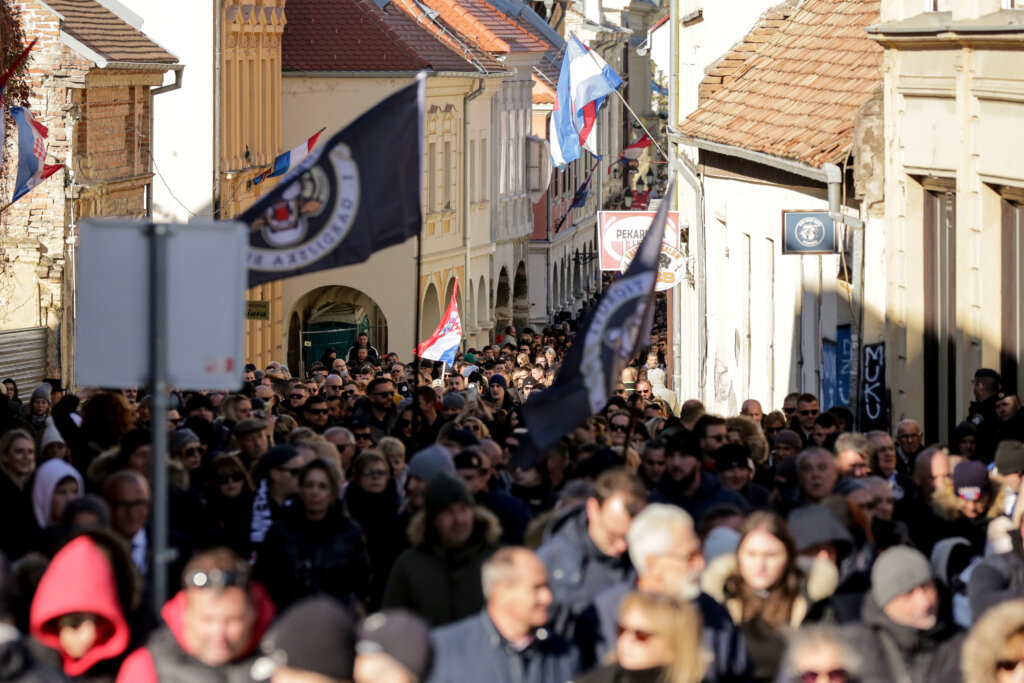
<point>317,411</point>
<point>618,427</point>
<point>639,634</point>
<point>644,392</point>
<point>217,579</point>
<point>294,471</point>
<point>807,413</point>
<point>230,478</point>
<point>833,676</point>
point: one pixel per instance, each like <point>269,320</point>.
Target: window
<point>472,171</point>
<point>432,177</point>
<point>484,171</point>
<point>1013,4</point>
<point>446,191</point>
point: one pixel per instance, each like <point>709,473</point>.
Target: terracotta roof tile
<point>102,31</point>
<point>488,27</point>
<point>796,97</point>
<point>356,35</point>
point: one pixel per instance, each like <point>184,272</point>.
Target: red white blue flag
<point>32,166</point>
<point>289,160</point>
<point>445,341</point>
<point>583,85</point>
<point>633,152</point>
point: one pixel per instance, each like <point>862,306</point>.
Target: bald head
<point>752,409</point>
<point>931,469</point>
<point>127,494</point>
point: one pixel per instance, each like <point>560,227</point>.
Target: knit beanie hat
<point>1010,457</point>
<point>970,480</point>
<point>453,400</point>
<point>470,358</point>
<point>179,438</point>
<point>787,437</point>
<point>401,635</point>
<point>898,570</point>
<point>316,635</point>
<point>444,490</point>
<point>429,462</point>
<point>44,390</point>
<point>499,379</point>
<point>50,435</point>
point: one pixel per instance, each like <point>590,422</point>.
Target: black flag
<point>356,194</point>
<point>608,337</point>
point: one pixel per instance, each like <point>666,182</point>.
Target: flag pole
<point>416,338</point>
<point>629,108</point>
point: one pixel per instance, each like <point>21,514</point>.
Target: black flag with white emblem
<point>356,194</point>
<point>608,337</point>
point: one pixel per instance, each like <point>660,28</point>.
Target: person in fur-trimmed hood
<point>766,592</point>
<point>995,642</point>
<point>438,578</point>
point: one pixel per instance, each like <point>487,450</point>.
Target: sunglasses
<point>618,428</point>
<point>384,394</point>
<point>317,411</point>
<point>194,450</point>
<point>297,396</point>
<point>833,676</point>
<point>230,478</point>
<point>363,435</point>
<point>807,413</point>
<point>639,634</point>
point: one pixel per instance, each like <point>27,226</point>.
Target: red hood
<point>80,579</point>
<point>174,610</point>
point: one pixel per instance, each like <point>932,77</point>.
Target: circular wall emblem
<point>809,232</point>
<point>671,265</point>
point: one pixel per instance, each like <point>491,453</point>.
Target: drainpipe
<point>467,281</point>
<point>179,71</point>
<point>218,13</point>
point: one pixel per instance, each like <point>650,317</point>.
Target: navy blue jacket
<point>473,650</point>
<point>577,569</point>
<point>709,494</point>
<point>596,632</point>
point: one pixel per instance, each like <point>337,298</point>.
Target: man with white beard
<point>667,555</point>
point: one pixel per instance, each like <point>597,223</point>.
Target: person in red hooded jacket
<point>212,626</point>
<point>84,603</point>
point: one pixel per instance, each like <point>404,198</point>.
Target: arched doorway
<point>481,303</point>
<point>430,312</point>
<point>520,298</point>
<point>502,303</point>
<point>332,316</point>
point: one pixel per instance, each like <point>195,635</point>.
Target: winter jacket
<point>303,557</point>
<point>80,578</point>
<point>473,650</point>
<point>577,569</point>
<point>442,585</point>
<point>232,519</point>
<point>613,673</point>
<point>892,653</point>
<point>377,514</point>
<point>709,494</point>
<point>17,662</point>
<point>16,504</point>
<point>766,643</point>
<point>166,659</point>
<point>596,632</point>
<point>997,578</point>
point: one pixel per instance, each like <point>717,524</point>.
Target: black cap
<point>442,491</point>
<point>467,460</point>
<point>686,443</point>
<point>402,636</point>
<point>732,455</point>
<point>315,635</point>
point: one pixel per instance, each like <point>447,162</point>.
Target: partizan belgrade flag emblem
<point>32,166</point>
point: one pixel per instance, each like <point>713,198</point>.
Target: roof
<point>489,28</point>
<point>550,66</point>
<point>356,35</point>
<point>109,36</point>
<point>797,96</point>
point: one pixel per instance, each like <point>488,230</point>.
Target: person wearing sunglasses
<point>807,411</point>
<point>316,414</point>
<point>276,476</point>
<point>185,447</point>
<point>213,625</point>
<point>659,639</point>
<point>820,654</point>
<point>229,502</point>
<point>379,410</point>
<point>904,633</point>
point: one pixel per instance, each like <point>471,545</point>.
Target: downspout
<point>179,71</point>
<point>217,41</point>
<point>467,281</point>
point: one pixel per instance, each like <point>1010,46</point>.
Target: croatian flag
<point>445,341</point>
<point>633,152</point>
<point>583,85</point>
<point>32,166</point>
<point>289,160</point>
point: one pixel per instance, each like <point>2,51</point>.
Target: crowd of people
<point>388,522</point>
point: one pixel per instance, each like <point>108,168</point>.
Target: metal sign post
<point>158,235</point>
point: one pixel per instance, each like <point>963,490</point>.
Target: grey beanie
<point>453,400</point>
<point>44,390</point>
<point>179,438</point>
<point>431,461</point>
<point>897,571</point>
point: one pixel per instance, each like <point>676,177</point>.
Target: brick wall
<point>98,122</point>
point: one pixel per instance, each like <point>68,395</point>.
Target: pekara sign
<point>620,234</point>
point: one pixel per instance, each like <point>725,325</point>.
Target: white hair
<point>655,532</point>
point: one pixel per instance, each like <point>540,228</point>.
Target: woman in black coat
<point>229,496</point>
<point>315,547</point>
<point>372,501</point>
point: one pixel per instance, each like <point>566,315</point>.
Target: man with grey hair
<point>345,441</point>
<point>853,455</point>
<point>656,377</point>
<point>909,439</point>
<point>507,639</point>
<point>666,552</point>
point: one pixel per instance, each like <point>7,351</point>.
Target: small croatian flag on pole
<point>289,159</point>
<point>32,166</point>
<point>444,343</point>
